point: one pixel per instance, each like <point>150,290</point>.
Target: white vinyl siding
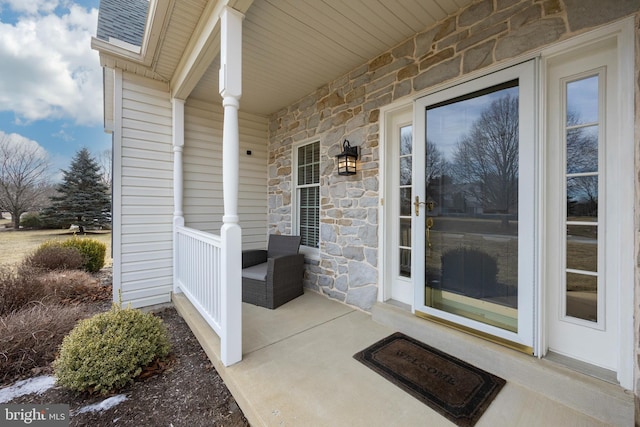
<point>252,193</point>
<point>146,197</point>
<point>203,195</point>
<point>145,201</point>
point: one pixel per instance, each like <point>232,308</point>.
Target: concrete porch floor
<point>298,370</point>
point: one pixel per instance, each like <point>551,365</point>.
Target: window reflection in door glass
<point>582,198</point>
<point>406,171</point>
<point>582,247</point>
<point>581,241</point>
<point>472,169</point>
<point>582,149</point>
<point>582,101</point>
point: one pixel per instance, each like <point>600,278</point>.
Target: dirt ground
<point>188,392</point>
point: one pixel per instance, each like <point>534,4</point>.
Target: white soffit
<point>293,47</point>
<point>184,17</point>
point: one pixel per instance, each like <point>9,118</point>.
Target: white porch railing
<point>199,274</point>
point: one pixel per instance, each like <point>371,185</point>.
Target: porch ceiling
<point>292,47</point>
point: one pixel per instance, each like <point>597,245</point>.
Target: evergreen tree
<point>83,198</point>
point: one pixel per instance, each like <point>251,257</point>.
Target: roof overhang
<point>203,48</point>
<point>290,48</point>
<point>116,53</point>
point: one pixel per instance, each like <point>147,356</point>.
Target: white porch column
<point>231,89</point>
<point>178,186</point>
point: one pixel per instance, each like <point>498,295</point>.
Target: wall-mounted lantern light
<point>347,159</point>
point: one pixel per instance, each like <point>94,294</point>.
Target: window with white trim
<point>307,191</point>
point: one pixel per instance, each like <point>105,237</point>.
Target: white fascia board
<point>108,81</point>
<point>128,46</point>
<point>115,49</point>
<point>201,50</point>
<point>157,21</point>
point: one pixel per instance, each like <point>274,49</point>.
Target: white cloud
<point>32,6</point>
<point>23,143</point>
<point>48,68</point>
<point>63,135</point>
<point>56,161</point>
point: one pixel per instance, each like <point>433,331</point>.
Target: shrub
<point>74,286</point>
<point>31,220</point>
<point>52,255</point>
<point>92,250</point>
<point>106,352</point>
<point>19,289</point>
<point>29,338</point>
<point>34,286</point>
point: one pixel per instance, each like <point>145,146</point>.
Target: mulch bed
<point>186,390</point>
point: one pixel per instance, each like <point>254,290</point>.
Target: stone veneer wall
<point>480,35</point>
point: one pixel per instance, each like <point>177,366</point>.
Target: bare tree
<point>436,163</point>
<point>582,145</point>
<point>24,184</point>
<point>487,157</point>
<point>105,161</point>
<point>406,148</point>
<point>582,196</point>
<point>582,158</point>
<point>437,168</point>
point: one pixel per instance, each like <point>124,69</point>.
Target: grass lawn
<point>14,245</point>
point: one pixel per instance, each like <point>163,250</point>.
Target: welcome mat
<point>459,391</point>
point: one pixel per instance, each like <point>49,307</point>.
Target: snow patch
<point>104,405</point>
<point>37,385</point>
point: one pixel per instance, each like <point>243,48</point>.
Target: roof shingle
<point>123,20</point>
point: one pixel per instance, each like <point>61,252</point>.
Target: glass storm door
<point>474,205</point>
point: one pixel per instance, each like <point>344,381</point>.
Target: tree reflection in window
<point>582,173</point>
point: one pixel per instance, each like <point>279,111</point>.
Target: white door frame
<point>623,272</point>
<point>625,33</point>
<point>527,200</point>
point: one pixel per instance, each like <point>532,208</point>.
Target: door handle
<point>417,203</point>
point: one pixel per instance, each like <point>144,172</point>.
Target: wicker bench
<point>273,277</point>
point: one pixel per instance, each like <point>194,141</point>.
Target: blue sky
<point>50,79</point>
<point>448,124</point>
